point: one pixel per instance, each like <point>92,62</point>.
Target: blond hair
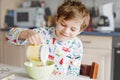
<point>74,9</point>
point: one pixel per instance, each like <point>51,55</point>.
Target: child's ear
<point>56,19</point>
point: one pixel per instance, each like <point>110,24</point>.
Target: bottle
<point>89,28</point>
<point>40,21</point>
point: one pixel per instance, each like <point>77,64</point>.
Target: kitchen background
<point>89,4</point>
<point>99,45</point>
<point>53,4</point>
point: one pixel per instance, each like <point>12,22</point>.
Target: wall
<point>53,4</point>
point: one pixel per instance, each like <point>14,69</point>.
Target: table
<point>18,73</point>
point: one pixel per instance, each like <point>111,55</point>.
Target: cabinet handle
<point>86,41</point>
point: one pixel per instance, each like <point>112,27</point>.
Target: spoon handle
<point>44,53</point>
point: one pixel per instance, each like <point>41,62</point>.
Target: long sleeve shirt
<point>67,55</point>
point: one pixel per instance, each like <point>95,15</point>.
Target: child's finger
<point>41,39</point>
<point>56,72</point>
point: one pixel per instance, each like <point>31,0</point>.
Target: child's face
<point>67,29</point>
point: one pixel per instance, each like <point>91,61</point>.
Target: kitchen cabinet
<point>11,54</point>
<point>98,49</point>
<point>6,50</point>
<point>1,46</point>
<point>14,54</point>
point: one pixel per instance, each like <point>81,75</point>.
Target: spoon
<point>44,54</point>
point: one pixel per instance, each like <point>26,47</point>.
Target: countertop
<point>96,33</point>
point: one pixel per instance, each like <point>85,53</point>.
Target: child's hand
<point>33,37</point>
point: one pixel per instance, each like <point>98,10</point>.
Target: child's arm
<point>20,36</point>
<point>12,36</point>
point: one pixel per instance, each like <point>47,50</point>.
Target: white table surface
<point>20,74</point>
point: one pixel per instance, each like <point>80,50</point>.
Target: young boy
<point>65,49</point>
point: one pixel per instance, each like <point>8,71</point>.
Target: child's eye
<point>63,24</point>
<point>73,30</point>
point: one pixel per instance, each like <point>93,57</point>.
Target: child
<point>65,49</point>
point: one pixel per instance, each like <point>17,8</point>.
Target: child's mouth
<point>64,35</point>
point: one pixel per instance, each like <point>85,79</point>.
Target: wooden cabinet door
<point>0,51</point>
<point>102,57</point>
<point>1,47</point>
<point>14,54</point>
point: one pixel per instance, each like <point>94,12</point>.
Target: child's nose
<point>66,30</point>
